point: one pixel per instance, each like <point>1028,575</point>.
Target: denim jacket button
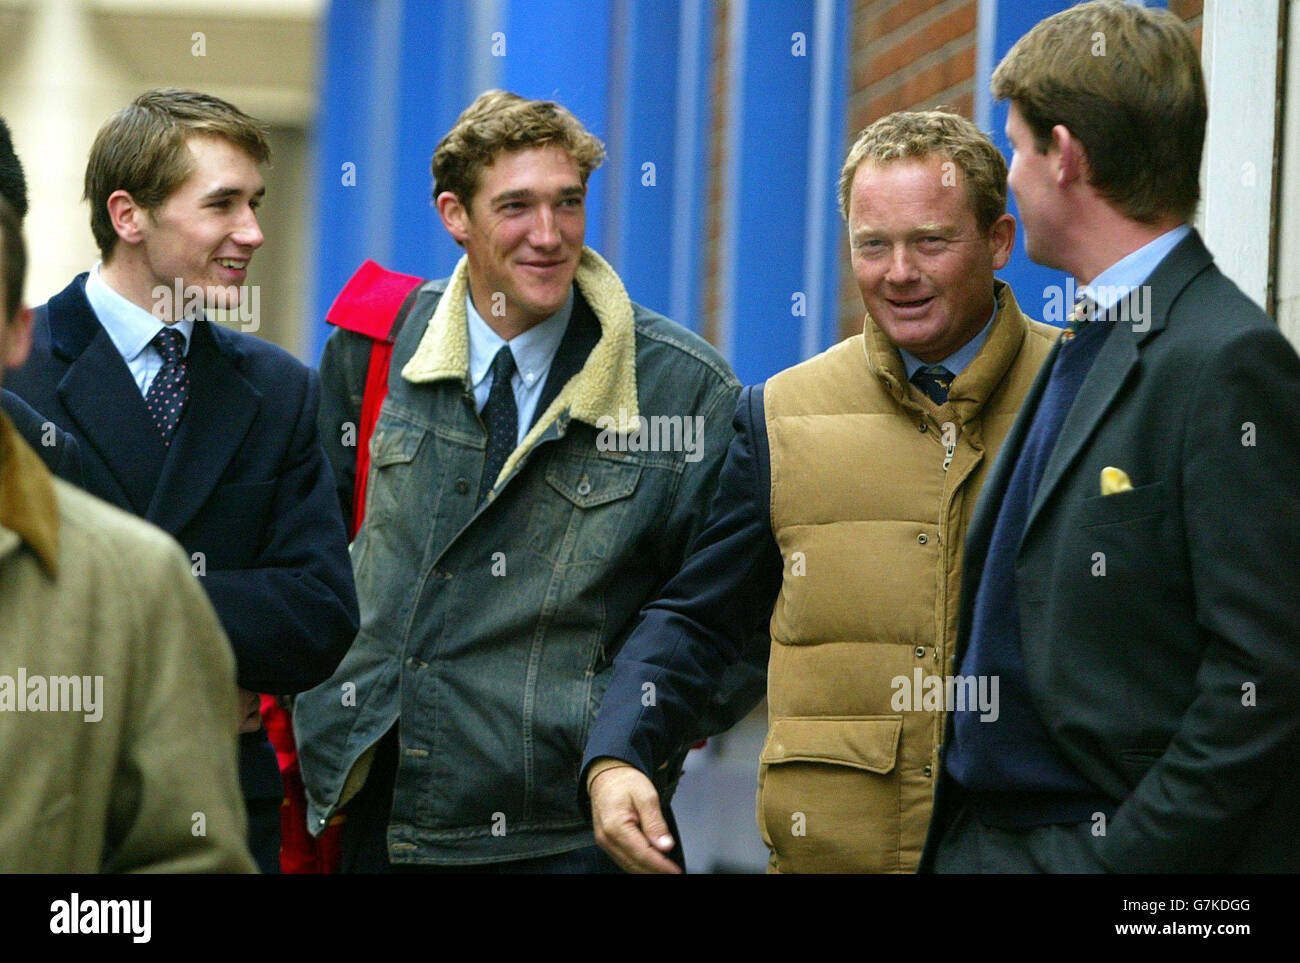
<point>584,488</point>
<point>462,485</point>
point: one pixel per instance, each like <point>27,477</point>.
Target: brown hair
<point>918,134</point>
<point>500,121</point>
<point>13,260</point>
<point>142,150</point>
<point>1126,81</point>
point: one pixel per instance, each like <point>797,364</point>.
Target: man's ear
<point>1071,157</point>
<point>1002,238</point>
<point>454,216</point>
<point>127,217</point>
<point>18,339</point>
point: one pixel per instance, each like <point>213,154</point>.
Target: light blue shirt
<point>131,328</point>
<point>534,350</point>
<point>1115,283</point>
<point>960,358</point>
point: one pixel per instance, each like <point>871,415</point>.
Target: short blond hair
<point>499,121</point>
<point>918,134</point>
<point>1126,81</point>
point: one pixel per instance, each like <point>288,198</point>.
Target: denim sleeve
<point>710,617</point>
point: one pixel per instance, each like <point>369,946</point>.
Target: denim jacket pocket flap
<point>588,482</point>
<point>391,446</point>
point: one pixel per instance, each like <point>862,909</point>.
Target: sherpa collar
<point>606,385</point>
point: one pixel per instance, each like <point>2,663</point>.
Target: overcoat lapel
<point>99,395</point>
<point>220,409</point>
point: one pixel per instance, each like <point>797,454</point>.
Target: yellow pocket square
<point>1114,480</point>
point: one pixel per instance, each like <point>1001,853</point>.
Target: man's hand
<point>629,825</point>
<point>250,711</point>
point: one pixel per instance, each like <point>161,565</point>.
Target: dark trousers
<point>263,789</point>
<point>365,833</point>
<point>971,846</point>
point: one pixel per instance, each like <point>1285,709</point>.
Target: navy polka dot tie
<point>934,380</point>
<point>501,418</point>
<point>171,385</point>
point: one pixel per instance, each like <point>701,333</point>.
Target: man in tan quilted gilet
<point>839,521</point>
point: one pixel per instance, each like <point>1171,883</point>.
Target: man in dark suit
<point>1131,570</point>
<point>207,432</point>
<point>56,447</point>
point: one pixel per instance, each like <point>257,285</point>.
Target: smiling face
<point>923,266</point>
<point>523,233</point>
<point>203,235</point>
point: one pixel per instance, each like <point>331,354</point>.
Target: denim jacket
<point>490,630</point>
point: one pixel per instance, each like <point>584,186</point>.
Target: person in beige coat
<point>118,708</point>
<point>839,520</point>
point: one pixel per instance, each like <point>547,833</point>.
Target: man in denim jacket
<point>543,458</point>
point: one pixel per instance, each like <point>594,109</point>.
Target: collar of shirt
<point>1115,283</point>
<point>534,350</point>
<point>960,358</point>
<point>130,326</point>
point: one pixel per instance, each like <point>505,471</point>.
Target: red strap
<point>370,300</point>
<point>381,352</point>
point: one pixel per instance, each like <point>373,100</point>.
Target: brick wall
<point>906,54</point>
<point>719,89</point>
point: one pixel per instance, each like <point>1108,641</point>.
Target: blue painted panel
<point>642,198</point>
<point>341,210</point>
<point>432,92</point>
<point>768,203</point>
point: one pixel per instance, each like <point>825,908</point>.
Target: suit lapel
<point>220,409</point>
<point>1117,360</point>
<point>99,395</point>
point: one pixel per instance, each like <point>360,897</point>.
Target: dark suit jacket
<point>1172,681</point>
<point>56,447</point>
<point>244,482</point>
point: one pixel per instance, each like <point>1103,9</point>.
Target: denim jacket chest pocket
<point>578,516</point>
<point>392,449</point>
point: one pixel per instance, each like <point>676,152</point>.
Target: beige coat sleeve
<point>177,805</point>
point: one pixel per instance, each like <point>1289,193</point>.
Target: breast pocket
<point>585,503</point>
<point>392,449</point>
<point>1145,501</point>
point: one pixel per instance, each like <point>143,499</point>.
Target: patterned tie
<point>171,385</point>
<point>1085,311</point>
<point>934,380</point>
<point>501,417</point>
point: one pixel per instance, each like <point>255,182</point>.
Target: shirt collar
<point>1115,283</point>
<point>533,350</point>
<point>130,326</point>
<point>960,358</point>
